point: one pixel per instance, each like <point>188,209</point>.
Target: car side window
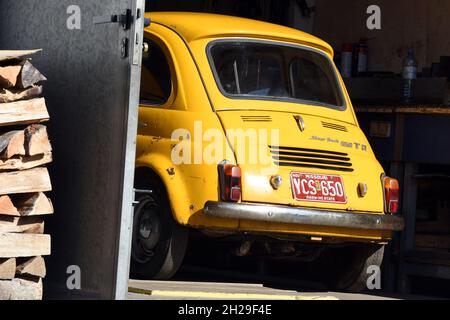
<point>156,80</point>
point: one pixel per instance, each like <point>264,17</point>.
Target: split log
<point>15,54</point>
<point>36,140</point>
<point>9,76</point>
<point>23,112</point>
<point>27,181</point>
<point>15,245</point>
<point>11,95</point>
<point>7,207</point>
<point>29,75</point>
<point>24,163</point>
<point>23,205</point>
<point>21,289</point>
<point>33,205</point>
<point>33,225</point>
<point>7,268</point>
<point>12,143</point>
<point>33,267</point>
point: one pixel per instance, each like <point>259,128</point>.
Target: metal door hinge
<point>124,19</point>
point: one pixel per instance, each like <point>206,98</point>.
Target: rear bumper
<point>303,216</point>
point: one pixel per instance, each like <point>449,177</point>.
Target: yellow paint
<point>196,98</point>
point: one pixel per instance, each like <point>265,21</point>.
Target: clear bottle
<point>409,75</point>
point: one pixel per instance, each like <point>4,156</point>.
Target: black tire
<point>345,269</point>
<point>159,242</point>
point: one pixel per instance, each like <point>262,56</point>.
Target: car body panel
<point>197,105</point>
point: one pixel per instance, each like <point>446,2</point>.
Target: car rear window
<point>254,70</point>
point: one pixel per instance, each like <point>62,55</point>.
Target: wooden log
<point>9,76</point>
<point>7,207</point>
<point>32,267</point>
<point>25,162</point>
<point>9,224</point>
<point>23,205</point>
<point>29,75</point>
<point>27,181</point>
<point>21,289</point>
<point>7,268</point>
<point>15,245</point>
<point>33,204</point>
<point>12,143</point>
<point>15,54</point>
<point>11,95</point>
<point>23,112</point>
<point>36,140</point>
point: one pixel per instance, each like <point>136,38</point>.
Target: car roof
<point>194,26</point>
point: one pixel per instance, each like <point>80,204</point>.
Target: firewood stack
<point>24,151</point>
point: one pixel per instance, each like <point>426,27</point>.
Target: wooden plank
<point>419,109</point>
<point>25,162</point>
<point>29,75</point>
<point>32,267</point>
<point>7,207</point>
<point>23,112</point>
<point>9,76</point>
<point>21,289</point>
<point>9,224</point>
<point>36,140</point>
<point>27,181</point>
<point>15,245</point>
<point>7,268</point>
<point>12,143</point>
<point>11,95</point>
<point>33,204</point>
<point>15,54</point>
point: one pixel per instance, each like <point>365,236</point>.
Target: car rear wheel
<point>159,243</point>
<point>348,269</point>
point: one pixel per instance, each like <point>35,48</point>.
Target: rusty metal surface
<point>303,216</point>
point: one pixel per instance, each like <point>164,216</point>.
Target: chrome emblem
<point>300,122</point>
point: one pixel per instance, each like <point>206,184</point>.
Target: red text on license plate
<point>318,187</point>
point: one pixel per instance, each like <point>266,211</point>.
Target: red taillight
<point>391,195</point>
<point>230,182</point>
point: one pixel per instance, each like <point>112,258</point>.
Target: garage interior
<point>410,140</point>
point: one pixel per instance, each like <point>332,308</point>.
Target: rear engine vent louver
<point>334,126</point>
<point>256,118</point>
<point>311,158</point>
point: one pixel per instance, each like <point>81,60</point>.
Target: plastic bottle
<point>362,56</point>
<point>346,60</point>
<point>409,75</point>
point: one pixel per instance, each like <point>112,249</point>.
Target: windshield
<point>258,70</point>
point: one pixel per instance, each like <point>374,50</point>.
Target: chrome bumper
<point>303,216</point>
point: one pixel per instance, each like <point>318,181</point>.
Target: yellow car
<point>247,133</point>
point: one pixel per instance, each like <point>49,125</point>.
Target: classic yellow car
<point>246,131</point>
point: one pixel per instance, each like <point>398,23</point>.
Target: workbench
<point>414,147</point>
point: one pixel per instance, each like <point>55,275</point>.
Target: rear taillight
<point>391,194</point>
<point>230,182</point>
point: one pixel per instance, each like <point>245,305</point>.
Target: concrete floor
<point>178,290</point>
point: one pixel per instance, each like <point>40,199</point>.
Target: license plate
<point>314,187</point>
